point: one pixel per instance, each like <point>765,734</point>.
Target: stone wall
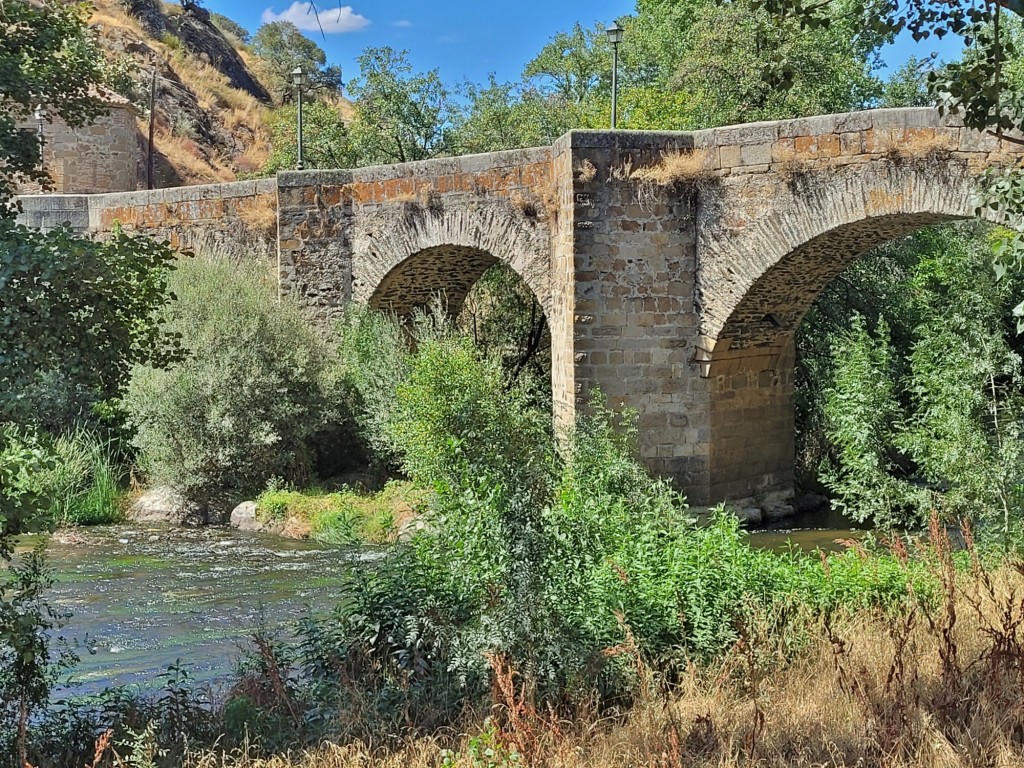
<point>634,321</point>
<point>393,236</point>
<point>100,157</point>
<point>237,220</point>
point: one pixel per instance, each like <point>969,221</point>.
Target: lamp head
<point>614,33</point>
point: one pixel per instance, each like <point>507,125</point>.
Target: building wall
<point>96,158</point>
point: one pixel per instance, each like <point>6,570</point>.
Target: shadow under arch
<point>448,271</point>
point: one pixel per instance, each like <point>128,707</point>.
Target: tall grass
<point>84,480</point>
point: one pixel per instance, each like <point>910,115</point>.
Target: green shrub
<point>544,561</point>
<point>922,411</point>
<point>864,422</point>
<point>439,406</point>
<point>254,393</point>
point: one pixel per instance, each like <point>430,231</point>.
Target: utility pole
<point>152,123</point>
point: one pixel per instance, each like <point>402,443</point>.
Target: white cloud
<point>403,23</point>
<point>332,20</point>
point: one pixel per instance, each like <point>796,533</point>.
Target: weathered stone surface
<point>164,505</point>
<point>243,517</point>
<point>101,157</point>
<point>679,300</point>
<point>776,512</point>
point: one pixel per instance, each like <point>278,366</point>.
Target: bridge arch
<point>761,284</point>
<point>418,255</point>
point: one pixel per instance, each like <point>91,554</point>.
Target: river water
<point>143,598</point>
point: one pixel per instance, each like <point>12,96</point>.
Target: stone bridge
<point>677,293</point>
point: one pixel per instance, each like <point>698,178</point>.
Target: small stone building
<point>102,156</point>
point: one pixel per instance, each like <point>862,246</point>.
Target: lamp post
<point>40,115</point>
<point>614,33</point>
<point>299,78</point>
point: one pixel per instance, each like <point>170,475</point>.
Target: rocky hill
<point>210,104</point>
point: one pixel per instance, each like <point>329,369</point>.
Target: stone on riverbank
<point>243,517</point>
<point>164,505</point>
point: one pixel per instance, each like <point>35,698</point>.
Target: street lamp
<point>614,33</point>
<point>40,115</point>
<point>299,78</point>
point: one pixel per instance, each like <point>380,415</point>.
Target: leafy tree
<point>511,116</point>
<point>78,307</point>
<point>908,86</point>
<point>869,477</point>
<point>922,410</point>
<point>400,115</point>
<point>70,309</point>
<point>46,55</point>
<point>325,139</point>
<point>727,76</point>
<point>283,47</point>
<point>231,27</point>
<point>573,66</point>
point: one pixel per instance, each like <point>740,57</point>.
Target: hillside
<point>211,103</point>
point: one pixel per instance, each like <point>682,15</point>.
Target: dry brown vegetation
<point>261,216</point>
<point>237,141</point>
<point>586,171</point>
<point>791,165</point>
<point>937,683</point>
<point>918,147</point>
<point>676,167</point>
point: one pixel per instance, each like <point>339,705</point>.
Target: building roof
<point>109,97</point>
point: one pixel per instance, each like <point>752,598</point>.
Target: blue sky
<point>464,39</point>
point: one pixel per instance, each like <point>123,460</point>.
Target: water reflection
<point>820,529</point>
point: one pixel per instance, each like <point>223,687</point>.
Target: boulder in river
<point>750,515</point>
<point>243,517</point>
<point>777,512</point>
<point>164,505</point>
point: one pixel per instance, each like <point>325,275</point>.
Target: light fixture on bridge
<point>300,80</point>
<point>615,33</point>
<point>40,115</point>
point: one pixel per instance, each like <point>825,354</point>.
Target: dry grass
<point>793,166</point>
<point>935,687</point>
<point>526,206</point>
<point>677,167</point>
<point>260,216</point>
<point>920,147</point>
<point>586,171</point>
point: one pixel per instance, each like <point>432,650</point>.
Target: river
<point>145,597</point>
